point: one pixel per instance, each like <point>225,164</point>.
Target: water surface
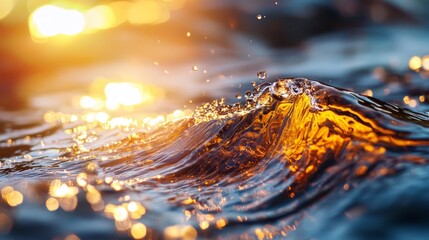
<point>181,139</point>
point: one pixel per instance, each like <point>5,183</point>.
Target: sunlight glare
<point>50,20</point>
<point>122,94</point>
<point>100,17</point>
<point>87,102</point>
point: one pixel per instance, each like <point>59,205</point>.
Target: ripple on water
<point>247,170</point>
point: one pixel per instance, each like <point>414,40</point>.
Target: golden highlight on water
<point>245,171</point>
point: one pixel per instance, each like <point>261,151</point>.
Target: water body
<point>297,155</point>
<point>340,154</point>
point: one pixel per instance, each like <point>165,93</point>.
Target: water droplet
<point>263,98</point>
<point>280,89</point>
<point>253,84</point>
<point>222,101</point>
<point>248,95</point>
<point>259,16</point>
<point>262,74</point>
<point>194,68</point>
<point>294,87</point>
<point>238,96</point>
<point>188,34</point>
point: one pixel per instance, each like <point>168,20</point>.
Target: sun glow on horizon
<point>118,95</point>
<point>51,20</point>
<point>125,94</point>
<point>112,104</point>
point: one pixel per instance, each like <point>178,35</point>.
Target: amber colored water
<point>296,156</point>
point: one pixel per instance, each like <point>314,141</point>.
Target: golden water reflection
<point>121,95</point>
<point>417,63</point>
<point>304,139</point>
<point>11,196</point>
<point>138,231</point>
<point>185,232</point>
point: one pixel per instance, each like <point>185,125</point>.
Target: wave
<point>265,161</point>
<point>289,145</point>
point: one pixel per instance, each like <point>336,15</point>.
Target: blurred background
<point>162,55</point>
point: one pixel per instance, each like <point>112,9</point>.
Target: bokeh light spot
<point>415,63</point>
<point>6,7</point>
<point>50,20</point>
<point>100,17</point>
<point>52,204</point>
<point>147,12</point>
<point>138,231</point>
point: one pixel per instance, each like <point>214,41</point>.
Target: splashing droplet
<point>238,96</point>
<point>194,68</point>
<point>263,97</point>
<point>259,16</point>
<point>188,34</point>
<point>280,89</point>
<point>248,95</point>
<point>262,74</point>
